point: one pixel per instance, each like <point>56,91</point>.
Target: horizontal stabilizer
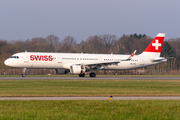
<point>158,59</point>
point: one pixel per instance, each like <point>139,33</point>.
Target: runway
<point>94,98</point>
<point>89,78</point>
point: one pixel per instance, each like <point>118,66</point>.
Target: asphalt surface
<point>89,78</point>
<point>94,98</point>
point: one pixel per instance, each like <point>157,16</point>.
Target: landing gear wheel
<point>82,75</point>
<point>24,72</point>
<point>92,74</point>
<point>23,75</point>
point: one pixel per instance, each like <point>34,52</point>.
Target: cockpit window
<point>16,57</point>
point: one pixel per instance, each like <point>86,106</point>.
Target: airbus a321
<point>79,63</point>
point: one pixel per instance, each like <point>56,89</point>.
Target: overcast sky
<point>26,19</point>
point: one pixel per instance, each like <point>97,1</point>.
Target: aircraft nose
<point>6,62</point>
<point>10,63</point>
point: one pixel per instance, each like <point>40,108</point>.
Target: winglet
<point>132,55</point>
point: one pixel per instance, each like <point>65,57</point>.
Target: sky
<point>27,19</point>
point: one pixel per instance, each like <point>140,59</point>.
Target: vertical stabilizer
<point>154,48</point>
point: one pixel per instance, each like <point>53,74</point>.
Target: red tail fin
<point>155,46</point>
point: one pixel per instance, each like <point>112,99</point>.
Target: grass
<point>90,109</point>
<point>89,87</point>
<point>86,109</point>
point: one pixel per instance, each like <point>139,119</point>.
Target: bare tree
<point>53,42</point>
<point>68,44</point>
<point>109,41</point>
<point>95,44</point>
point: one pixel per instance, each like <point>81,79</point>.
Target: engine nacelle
<point>77,69</point>
<point>61,71</point>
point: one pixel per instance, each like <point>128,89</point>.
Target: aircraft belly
<point>46,64</point>
<point>40,64</point>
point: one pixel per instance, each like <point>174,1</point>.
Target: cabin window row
<point>80,58</point>
<point>117,60</point>
<point>132,60</point>
<point>112,59</point>
<point>69,58</point>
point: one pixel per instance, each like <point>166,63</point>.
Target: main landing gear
<point>23,72</point>
<point>92,74</point>
<point>81,75</point>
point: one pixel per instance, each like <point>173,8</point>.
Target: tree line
<point>101,44</point>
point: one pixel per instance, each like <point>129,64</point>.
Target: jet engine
<point>62,71</point>
<point>77,69</point>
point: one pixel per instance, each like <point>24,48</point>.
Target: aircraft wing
<point>100,64</point>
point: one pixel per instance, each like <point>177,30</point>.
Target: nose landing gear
<point>23,72</point>
<point>23,75</point>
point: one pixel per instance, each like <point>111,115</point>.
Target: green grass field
<point>90,109</point>
<point>89,87</point>
<point>86,109</point>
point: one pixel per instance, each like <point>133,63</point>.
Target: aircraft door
<point>59,59</point>
<point>141,61</point>
<point>26,58</point>
<point>99,58</point>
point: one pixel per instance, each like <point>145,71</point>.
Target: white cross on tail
<point>156,44</point>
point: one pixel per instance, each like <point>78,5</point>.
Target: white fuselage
<point>65,60</point>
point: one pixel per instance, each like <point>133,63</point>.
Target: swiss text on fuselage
<point>41,57</point>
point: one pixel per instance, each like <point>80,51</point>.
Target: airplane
<point>79,63</point>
